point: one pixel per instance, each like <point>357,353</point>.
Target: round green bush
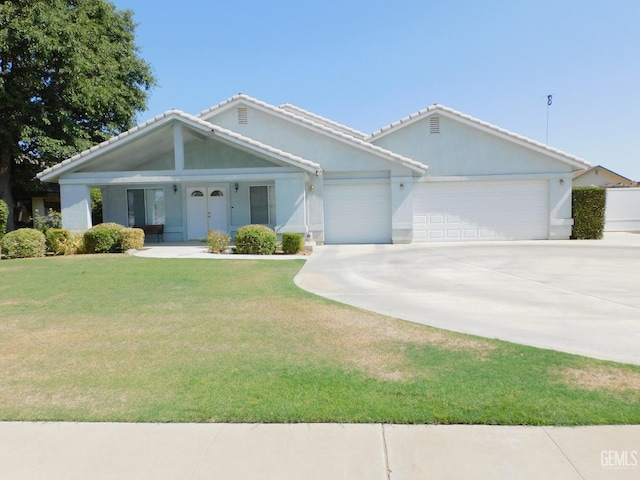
<point>291,243</point>
<point>132,238</point>
<point>24,243</point>
<point>57,238</point>
<point>103,238</point>
<point>256,240</point>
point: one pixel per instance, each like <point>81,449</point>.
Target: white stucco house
<point>436,175</point>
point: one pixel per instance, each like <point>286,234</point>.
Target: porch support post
<point>75,203</point>
<point>290,205</point>
<point>178,147</point>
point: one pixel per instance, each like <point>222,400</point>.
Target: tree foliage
<point>70,77</point>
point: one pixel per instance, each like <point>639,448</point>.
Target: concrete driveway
<point>579,297</point>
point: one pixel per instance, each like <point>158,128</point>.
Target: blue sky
<point>369,63</point>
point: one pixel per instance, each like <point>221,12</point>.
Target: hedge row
<point>102,238</point>
<point>588,209</point>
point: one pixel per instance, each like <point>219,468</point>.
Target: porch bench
<point>157,230</point>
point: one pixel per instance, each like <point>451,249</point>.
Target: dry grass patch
<point>611,378</point>
<point>376,344</point>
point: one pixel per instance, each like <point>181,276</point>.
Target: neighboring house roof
<point>620,179</point>
<point>482,125</point>
<point>195,122</point>
<point>318,126</point>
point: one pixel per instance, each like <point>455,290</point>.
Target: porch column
<point>75,201</point>
<point>290,205</point>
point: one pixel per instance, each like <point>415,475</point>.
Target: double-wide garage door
<point>357,213</point>
<point>458,211</point>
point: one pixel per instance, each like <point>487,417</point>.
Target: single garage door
<point>458,211</point>
<point>357,213</point>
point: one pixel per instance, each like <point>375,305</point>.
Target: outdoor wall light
<point>402,186</point>
<point>312,188</point>
<point>562,181</point>
<point>175,188</point>
<point>236,187</point>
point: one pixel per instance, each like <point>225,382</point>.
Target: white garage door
<point>357,213</point>
<point>458,211</point>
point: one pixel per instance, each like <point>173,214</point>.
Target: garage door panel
<point>480,211</point>
<point>358,213</point>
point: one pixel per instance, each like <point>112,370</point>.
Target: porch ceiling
<point>153,151</point>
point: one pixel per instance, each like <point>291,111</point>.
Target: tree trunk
<point>5,182</point>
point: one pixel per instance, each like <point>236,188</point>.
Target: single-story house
<point>600,176</point>
<point>436,175</point>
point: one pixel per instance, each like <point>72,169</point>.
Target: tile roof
<point>394,157</point>
<point>577,161</point>
<point>194,120</point>
<point>323,120</point>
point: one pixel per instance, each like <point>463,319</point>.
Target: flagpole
<point>549,102</point>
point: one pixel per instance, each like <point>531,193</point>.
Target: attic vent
<point>434,125</point>
<point>242,116</point>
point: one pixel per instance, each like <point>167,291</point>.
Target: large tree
<point>70,76</point>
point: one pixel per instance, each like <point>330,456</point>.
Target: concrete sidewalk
<point>70,451</point>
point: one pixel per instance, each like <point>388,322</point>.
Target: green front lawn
<point>119,338</point>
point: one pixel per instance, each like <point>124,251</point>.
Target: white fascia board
<point>488,178</point>
<point>223,175</point>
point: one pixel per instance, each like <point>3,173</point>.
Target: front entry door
<point>206,210</point>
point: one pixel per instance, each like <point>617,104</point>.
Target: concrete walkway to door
<point>580,297</point>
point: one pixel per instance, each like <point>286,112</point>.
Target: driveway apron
<point>580,297</point>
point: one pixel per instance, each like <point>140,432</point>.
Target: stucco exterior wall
<point>462,150</point>
<point>330,152</point>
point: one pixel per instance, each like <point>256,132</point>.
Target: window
<point>145,206</point>
<point>262,204</point>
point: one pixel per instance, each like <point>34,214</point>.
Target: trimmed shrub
<point>24,243</point>
<point>217,241</point>
<point>588,207</point>
<point>291,242</point>
<point>256,240</point>
<point>132,238</point>
<point>57,239</point>
<point>4,216</point>
<point>74,245</point>
<point>103,238</point>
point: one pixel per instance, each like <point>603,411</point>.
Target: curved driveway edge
<point>579,297</point>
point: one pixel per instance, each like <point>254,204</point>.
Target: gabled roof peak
<point>477,123</point>
<point>318,123</point>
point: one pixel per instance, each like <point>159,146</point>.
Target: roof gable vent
<point>434,124</point>
<point>242,116</point>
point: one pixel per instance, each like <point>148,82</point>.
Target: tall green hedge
<point>588,207</point>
